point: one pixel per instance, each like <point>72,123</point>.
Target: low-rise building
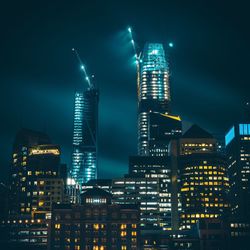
<point>95,224</point>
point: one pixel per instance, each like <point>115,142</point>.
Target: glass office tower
<point>153,90</point>
<point>237,142</point>
<point>203,181</point>
<point>84,157</point>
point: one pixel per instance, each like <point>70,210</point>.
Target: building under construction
<point>84,156</point>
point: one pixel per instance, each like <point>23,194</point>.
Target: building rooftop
<point>96,193</point>
<point>27,137</point>
<point>197,132</point>
<point>99,182</point>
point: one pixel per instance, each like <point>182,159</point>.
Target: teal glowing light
<point>244,129</point>
<point>82,67</point>
<point>129,30</point>
<point>230,136</point>
<point>171,45</point>
<point>154,52</point>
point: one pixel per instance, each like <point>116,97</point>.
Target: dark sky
<point>39,74</point>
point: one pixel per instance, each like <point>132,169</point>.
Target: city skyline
<point>143,142</point>
<point>45,84</point>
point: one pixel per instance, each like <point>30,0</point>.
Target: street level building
<point>96,224</point>
<point>149,185</point>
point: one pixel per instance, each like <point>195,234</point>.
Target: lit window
<point>123,233</point>
<point>133,233</point>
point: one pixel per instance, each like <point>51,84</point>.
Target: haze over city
<point>39,73</point>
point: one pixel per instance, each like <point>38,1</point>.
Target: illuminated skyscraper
<point>84,158</point>
<point>153,90</point>
<point>203,182</point>
<point>237,142</point>
<point>35,169</point>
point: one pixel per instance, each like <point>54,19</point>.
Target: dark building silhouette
<point>95,224</point>
<point>162,128</point>
<point>4,201</point>
<point>213,234</point>
<point>237,141</point>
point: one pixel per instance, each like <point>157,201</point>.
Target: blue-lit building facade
<point>237,142</point>
<point>153,90</point>
<point>84,156</point>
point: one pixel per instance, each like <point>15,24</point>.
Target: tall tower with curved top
<point>153,90</point>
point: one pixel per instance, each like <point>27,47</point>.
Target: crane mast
<point>86,77</point>
<point>90,85</point>
<point>137,57</point>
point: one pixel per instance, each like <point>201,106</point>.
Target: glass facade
<point>204,186</point>
<point>244,129</point>
<point>149,185</point>
<point>238,155</point>
<point>153,90</point>
<point>229,136</point>
<point>84,157</point>
<point>77,156</point>
<point>204,182</point>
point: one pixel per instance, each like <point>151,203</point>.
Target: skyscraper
<point>153,90</point>
<point>237,142</point>
<point>203,178</point>
<point>84,157</point>
<point>149,186</point>
<point>35,163</point>
<point>161,129</point>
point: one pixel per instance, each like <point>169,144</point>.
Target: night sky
<point>39,74</point>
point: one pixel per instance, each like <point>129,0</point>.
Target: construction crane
<point>91,86</point>
<point>170,44</point>
<point>137,57</point>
